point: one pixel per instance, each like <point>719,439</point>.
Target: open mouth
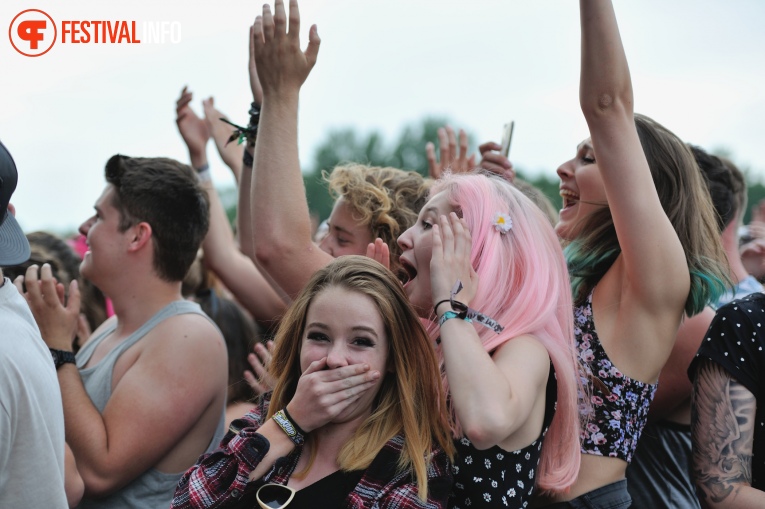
<point>570,198</point>
<point>408,273</point>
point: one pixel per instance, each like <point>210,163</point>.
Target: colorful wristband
<point>290,429</point>
<point>449,315</point>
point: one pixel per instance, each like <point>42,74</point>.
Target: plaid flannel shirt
<point>221,479</point>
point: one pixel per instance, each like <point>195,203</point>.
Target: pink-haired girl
<point>509,359</point>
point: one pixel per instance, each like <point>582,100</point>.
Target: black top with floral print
<point>495,477</point>
<point>619,404</point>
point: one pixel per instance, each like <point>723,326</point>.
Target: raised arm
<point>654,260</point>
<point>222,255</point>
<point>281,224</point>
<point>230,151</point>
<point>244,215</point>
<point>499,399</point>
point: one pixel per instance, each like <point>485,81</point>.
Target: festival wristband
<point>289,428</point>
<point>464,312</point>
<point>449,315</point>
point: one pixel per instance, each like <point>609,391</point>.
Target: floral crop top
<point>619,404</point>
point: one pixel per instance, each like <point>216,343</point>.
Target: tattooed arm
<point>722,432</point>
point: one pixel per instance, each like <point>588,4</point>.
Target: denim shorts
<point>610,496</point>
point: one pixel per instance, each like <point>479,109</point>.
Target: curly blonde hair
<point>388,200</point>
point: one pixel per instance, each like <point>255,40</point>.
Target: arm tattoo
<point>722,431</point>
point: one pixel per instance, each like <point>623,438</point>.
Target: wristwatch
<point>61,357</point>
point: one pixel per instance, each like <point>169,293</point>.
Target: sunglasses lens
<point>274,495</point>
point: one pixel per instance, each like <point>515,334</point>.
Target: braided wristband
<point>289,428</point>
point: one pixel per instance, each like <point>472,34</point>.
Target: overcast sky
<point>697,67</point>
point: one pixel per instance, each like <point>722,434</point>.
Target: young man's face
<point>106,244</point>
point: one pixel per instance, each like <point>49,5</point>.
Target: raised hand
<point>447,144</point>
<point>255,86</point>
<point>450,261</point>
<point>323,394</point>
<point>492,160</point>
<point>231,153</point>
<point>281,65</point>
<point>259,379</point>
<point>57,317</point>
<point>193,129</point>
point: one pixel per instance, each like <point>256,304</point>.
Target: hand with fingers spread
<point>380,252</point>
<point>281,65</point>
<point>452,246</point>
<point>56,316</point>
<point>193,129</point>
<point>492,160</point>
<point>322,394</point>
<point>260,379</point>
<point>231,153</point>
<point>450,158</point>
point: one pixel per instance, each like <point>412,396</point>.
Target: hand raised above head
<point>281,65</point>
<point>493,161</point>
<point>231,153</point>
<point>449,157</point>
<point>255,86</point>
<point>193,129</point>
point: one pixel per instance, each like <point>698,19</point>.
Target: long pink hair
<point>524,285</point>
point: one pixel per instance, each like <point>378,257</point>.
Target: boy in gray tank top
<point>146,396</point>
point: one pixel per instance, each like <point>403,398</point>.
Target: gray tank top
<point>152,489</point>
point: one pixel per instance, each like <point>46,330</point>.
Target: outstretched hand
<point>281,65</point>
<point>447,145</point>
<point>450,261</point>
<point>231,153</point>
<point>193,129</point>
<point>56,316</point>
<point>322,394</point>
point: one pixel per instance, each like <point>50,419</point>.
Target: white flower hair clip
<point>503,223</point>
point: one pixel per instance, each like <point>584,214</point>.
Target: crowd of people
<point>441,342</point>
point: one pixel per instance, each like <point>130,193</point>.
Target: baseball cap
<point>14,248</point>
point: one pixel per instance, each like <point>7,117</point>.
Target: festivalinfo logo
<point>34,32</point>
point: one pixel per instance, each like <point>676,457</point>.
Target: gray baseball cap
<point>14,248</point>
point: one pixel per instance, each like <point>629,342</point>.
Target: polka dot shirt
<point>736,341</point>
